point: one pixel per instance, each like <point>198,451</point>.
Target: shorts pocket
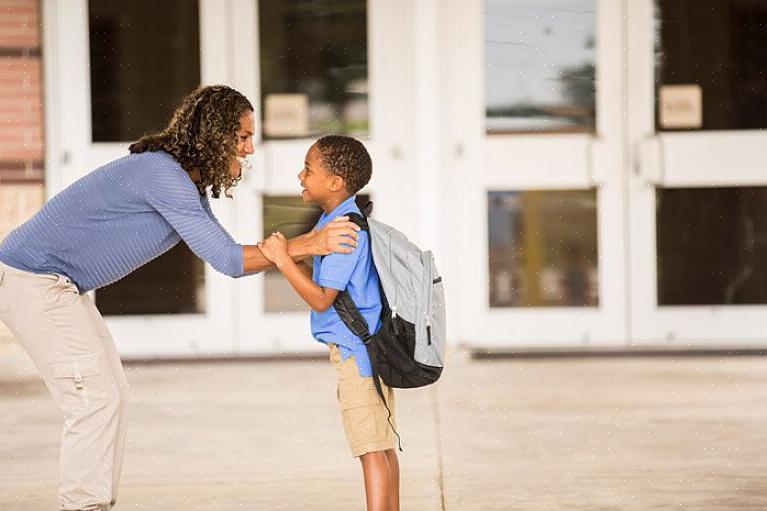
<point>78,380</point>
<point>359,411</point>
<point>360,424</point>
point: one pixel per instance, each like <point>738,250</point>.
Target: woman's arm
<point>338,236</point>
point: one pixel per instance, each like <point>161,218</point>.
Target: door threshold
<point>611,352</point>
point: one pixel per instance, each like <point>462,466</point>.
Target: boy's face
<point>317,183</point>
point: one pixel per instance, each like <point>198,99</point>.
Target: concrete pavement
<point>548,434</point>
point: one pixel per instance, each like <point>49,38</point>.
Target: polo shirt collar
<point>347,206</point>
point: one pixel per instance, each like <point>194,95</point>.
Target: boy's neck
<point>332,203</point>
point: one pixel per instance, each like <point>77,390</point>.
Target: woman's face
<point>244,143</point>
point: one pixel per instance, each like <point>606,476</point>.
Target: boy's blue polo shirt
<point>357,274</point>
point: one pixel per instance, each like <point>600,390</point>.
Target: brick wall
<point>21,137</point>
<point>21,93</point>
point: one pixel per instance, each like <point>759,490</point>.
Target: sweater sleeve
<point>175,197</point>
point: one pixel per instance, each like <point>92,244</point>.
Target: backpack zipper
<point>394,323</point>
<point>428,309</point>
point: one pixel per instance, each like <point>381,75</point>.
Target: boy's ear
<point>337,183</point>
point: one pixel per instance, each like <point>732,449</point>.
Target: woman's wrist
<point>300,247</point>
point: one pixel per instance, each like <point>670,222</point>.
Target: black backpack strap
<point>360,220</point>
<point>352,317</point>
<point>354,320</point>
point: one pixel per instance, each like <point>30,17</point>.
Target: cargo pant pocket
<point>79,380</point>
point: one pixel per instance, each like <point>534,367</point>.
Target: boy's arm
<point>305,267</point>
<point>318,298</point>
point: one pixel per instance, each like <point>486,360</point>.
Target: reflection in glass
<point>292,217</point>
<point>144,57</point>
<point>721,46</point>
<point>314,70</point>
<point>543,248</point>
<point>539,65</point>
<point>174,283</point>
<point>712,246</point>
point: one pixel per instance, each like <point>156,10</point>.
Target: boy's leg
<point>52,322</point>
<point>375,469</point>
<point>367,428</point>
<point>391,457</point>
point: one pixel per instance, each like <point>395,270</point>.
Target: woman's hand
<point>338,236</point>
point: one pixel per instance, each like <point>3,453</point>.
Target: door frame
<point>678,160</point>
<point>540,161</point>
<point>71,154</point>
<point>392,25</point>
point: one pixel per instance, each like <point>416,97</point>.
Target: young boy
<point>336,168</point>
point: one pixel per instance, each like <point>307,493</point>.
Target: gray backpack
<point>409,349</point>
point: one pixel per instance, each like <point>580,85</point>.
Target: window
<point>543,248</point>
<point>715,50</point>
<point>314,68</point>
<point>540,65</point>
<point>292,217</point>
<point>174,283</point>
<point>145,57</point>
<point>712,246</point>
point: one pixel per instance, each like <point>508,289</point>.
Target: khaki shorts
<point>364,416</point>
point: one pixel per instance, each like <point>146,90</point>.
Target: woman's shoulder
<point>154,159</point>
<point>161,171</point>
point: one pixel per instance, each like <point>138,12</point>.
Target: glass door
<point>327,66</point>
<point>535,154</point>
<point>116,70</point>
<point>697,131</point>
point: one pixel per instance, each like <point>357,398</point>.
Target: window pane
<point>174,283</point>
<point>718,47</point>
<point>539,65</point>
<point>712,246</point>
<point>145,57</point>
<point>292,217</point>
<point>543,248</point>
<point>314,70</point>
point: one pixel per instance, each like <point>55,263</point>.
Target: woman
<point>103,227</point>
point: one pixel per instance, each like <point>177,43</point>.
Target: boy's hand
<point>275,248</point>
<point>339,236</point>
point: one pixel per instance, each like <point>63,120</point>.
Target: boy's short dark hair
<point>346,157</point>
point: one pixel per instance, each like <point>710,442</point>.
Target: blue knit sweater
<point>118,218</point>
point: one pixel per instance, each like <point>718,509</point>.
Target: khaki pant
<point>67,339</point>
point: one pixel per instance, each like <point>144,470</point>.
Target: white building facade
<point>588,173</point>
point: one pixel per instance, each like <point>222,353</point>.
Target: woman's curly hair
<point>203,135</point>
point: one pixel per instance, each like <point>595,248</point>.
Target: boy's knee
<point>375,456</point>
